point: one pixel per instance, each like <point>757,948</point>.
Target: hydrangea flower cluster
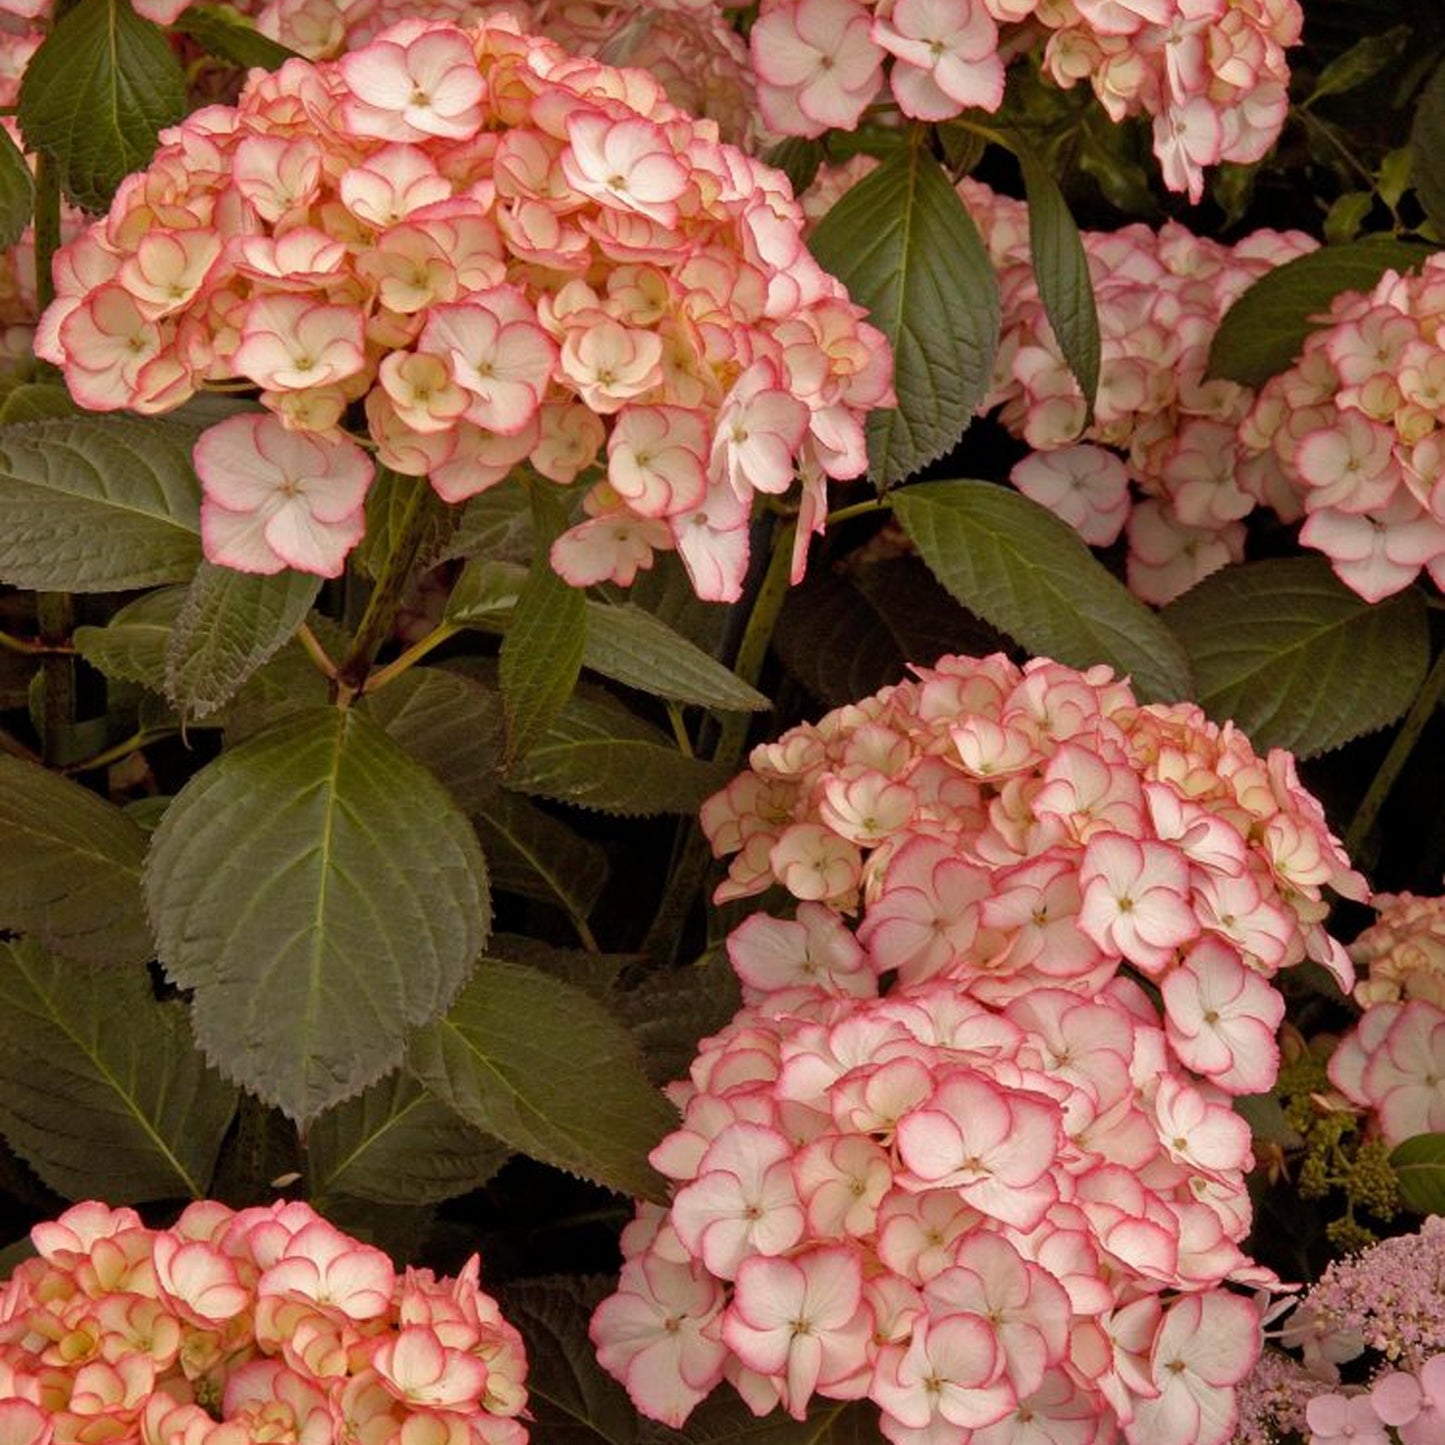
<point>1356,425</point>
<point>226,1328</point>
<point>1160,297</point>
<point>687,45</point>
<point>505,253</point>
<point>1211,74</point>
<point>1392,1064</point>
<point>1388,1302</point>
<point>949,1156</point>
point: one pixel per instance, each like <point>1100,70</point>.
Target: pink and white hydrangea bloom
<point>950,1156</point>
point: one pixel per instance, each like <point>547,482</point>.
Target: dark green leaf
<point>1419,1165</point>
<point>634,648</point>
<point>572,1399</point>
<point>321,893</point>
<point>1061,270</point>
<point>906,248</point>
<point>96,94</point>
<point>723,1419</point>
<point>546,1069</point>
<point>389,505</point>
<point>598,755</point>
<point>1264,331</point>
<point>496,524</point>
<point>1022,569</point>
<point>231,624</point>
<point>132,646</point>
<point>17,191</point>
<point>1285,650</point>
<point>98,504</point>
<point>672,1008</point>
<point>1266,1119</point>
<point>1427,146</point>
<point>531,853</point>
<point>450,723</point>
<point>798,157</point>
<point>485,594</point>
<point>542,652</point>
<point>223,32</point>
<point>1364,60</point>
<point>35,401</point>
<point>398,1144</point>
<point>101,1087</point>
<point>69,868</point>
<point>832,640</point>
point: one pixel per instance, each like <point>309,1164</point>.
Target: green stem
<point>859,509</point>
<point>35,649</point>
<point>114,754</point>
<point>379,619</point>
<point>1421,711</point>
<point>47,226</point>
<point>55,616</point>
<point>694,854</point>
<point>411,656</point>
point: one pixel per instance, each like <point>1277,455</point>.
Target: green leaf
<point>389,511</point>
<point>799,158</point>
<point>636,649</point>
<point>1061,270</point>
<point>1266,1119</point>
<point>320,892</point>
<point>534,854</point>
<point>132,646</point>
<point>101,1087</point>
<point>598,755</point>
<point>542,652</point>
<point>70,868</point>
<point>496,524</point>
<point>225,33</point>
<point>96,94</point>
<point>398,1144</point>
<point>448,722</point>
<point>672,1008</point>
<point>542,1066</point>
<point>1419,1165</point>
<point>1285,650</point>
<point>1364,60</point>
<point>17,191</point>
<point>1022,569</point>
<point>723,1419</point>
<point>485,594</point>
<point>98,504</point>
<point>572,1399</point>
<point>35,401</point>
<point>1265,329</point>
<point>1427,147</point>
<point>905,246</point>
<point>231,624</point>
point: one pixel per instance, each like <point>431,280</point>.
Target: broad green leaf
<point>132,646</point>
<point>1285,650</point>
<point>1427,147</point>
<point>496,524</point>
<point>542,652</point>
<point>320,892</point>
<point>596,754</point>
<point>546,1069</point>
<point>1364,60</point>
<point>1264,331</point>
<point>101,1087</point>
<point>1022,569</point>
<point>391,505</point>
<point>398,1144</point>
<point>450,723</point>
<point>222,31</point>
<point>98,504</point>
<point>622,642</point>
<point>634,648</point>
<point>35,401</point>
<point>534,854</point>
<point>17,191</point>
<point>1419,1165</point>
<point>96,94</point>
<point>831,639</point>
<point>1266,1119</point>
<point>290,683</point>
<point>723,1419</point>
<point>596,974</point>
<point>1061,270</point>
<point>70,867</point>
<point>231,624</point>
<point>799,158</point>
<point>905,246</point>
<point>572,1399</point>
<point>672,1008</point>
